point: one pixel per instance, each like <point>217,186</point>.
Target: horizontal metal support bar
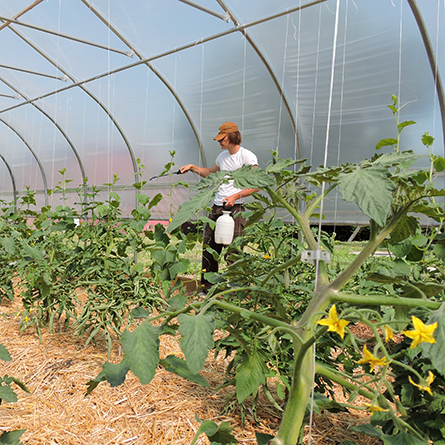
<point>66,36</point>
<point>62,78</point>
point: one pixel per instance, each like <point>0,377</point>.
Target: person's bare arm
<point>230,200</point>
<point>201,171</point>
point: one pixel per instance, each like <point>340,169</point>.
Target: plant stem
<point>383,300</point>
<point>325,372</point>
<point>302,382</point>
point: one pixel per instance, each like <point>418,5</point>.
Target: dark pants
<point>209,264</point>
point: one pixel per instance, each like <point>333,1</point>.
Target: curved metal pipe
<point>156,73</point>
<point>92,96</point>
<point>14,185</point>
<point>42,170</point>
<point>432,60</point>
<point>56,124</point>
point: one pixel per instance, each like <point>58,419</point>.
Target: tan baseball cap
<point>226,127</point>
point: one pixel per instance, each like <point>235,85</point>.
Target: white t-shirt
<point>226,161</point>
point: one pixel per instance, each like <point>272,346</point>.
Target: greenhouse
<point>114,116</point>
<point>94,86</point>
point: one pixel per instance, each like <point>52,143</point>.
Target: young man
<point>228,197</point>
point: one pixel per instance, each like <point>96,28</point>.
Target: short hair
<point>234,138</point>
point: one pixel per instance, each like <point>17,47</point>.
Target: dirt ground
<point>56,411</point>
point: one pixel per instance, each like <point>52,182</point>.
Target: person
<point>228,197</point>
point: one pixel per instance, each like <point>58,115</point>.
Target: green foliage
<point>141,348</point>
<point>267,303</point>
<point>11,437</point>
<point>217,434</point>
<point>8,395</point>
<point>61,252</point>
<point>196,338</point>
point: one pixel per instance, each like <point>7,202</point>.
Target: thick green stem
<point>305,228</point>
<point>366,252</point>
<point>268,321</point>
<point>383,300</point>
<point>302,382</point>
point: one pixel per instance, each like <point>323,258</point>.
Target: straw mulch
<point>56,410</point>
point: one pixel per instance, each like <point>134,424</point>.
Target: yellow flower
<point>267,257</point>
<point>204,270</point>
<point>334,323</point>
<point>372,360</point>
<point>424,385</point>
<point>374,407</point>
<point>170,220</point>
<point>389,334</point>
<point>26,319</point>
<point>421,333</point>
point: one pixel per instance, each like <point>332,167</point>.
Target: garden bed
<point>56,410</point>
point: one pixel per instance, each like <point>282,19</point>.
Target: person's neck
<point>233,149</point>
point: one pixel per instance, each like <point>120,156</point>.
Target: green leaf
<point>407,227</point>
<point>386,142</point>
<point>179,367</point>
<point>402,159</point>
<point>223,435</point>
<point>247,177</point>
<point>140,312</point>
<point>20,384</point>
<point>141,349</point>
<point>427,139</point>
<point>368,429</point>
<point>191,207</point>
<point>11,437</point>
<point>208,427</point>
<point>401,249</point>
<point>405,124</point>
<point>419,290</point>
<point>436,351</point>
<point>371,189</point>
<point>4,354</point>
<point>415,254</point>
<point>403,438</point>
<point>115,373</point>
<point>8,243</point>
<point>32,252</point>
<point>439,164</point>
<point>263,439</point>
<point>94,383</point>
<point>439,251</point>
<point>7,394</point>
<point>282,164</point>
<point>177,302</point>
<point>155,200</point>
<point>381,278</point>
<point>196,339</point>
<point>250,375</point>
<point>143,199</point>
<point>218,435</point>
<point>179,267</point>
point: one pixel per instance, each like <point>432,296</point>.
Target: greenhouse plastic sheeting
<point>93,86</point>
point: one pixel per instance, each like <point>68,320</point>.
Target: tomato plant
<point>272,306</point>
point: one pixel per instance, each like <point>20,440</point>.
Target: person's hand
<point>186,168</point>
<point>229,202</point>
